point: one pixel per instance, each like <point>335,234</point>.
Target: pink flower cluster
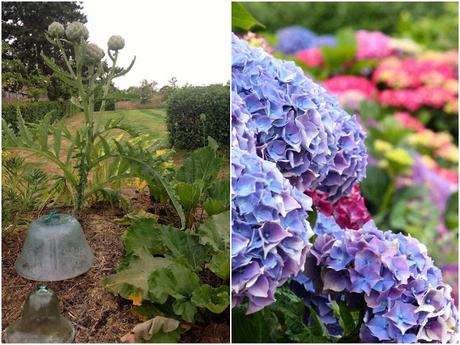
<point>413,72</point>
<point>430,81</point>
<point>349,212</point>
<point>413,99</point>
<point>311,57</point>
<point>372,45</point>
<point>351,90</point>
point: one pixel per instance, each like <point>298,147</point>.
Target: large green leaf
<point>178,282</point>
<point>189,193</point>
<point>214,299</point>
<point>203,164</point>
<point>215,232</point>
<point>145,233</point>
<point>175,280</point>
<point>218,198</point>
<point>242,19</point>
<point>219,264</point>
<point>177,245</point>
<point>254,328</point>
<point>184,247</point>
<point>132,281</point>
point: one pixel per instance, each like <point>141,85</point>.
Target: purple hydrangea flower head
<point>297,124</point>
<point>405,296</point>
<point>293,39</point>
<point>242,137</point>
<point>270,232</point>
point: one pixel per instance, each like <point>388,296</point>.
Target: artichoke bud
<point>116,42</point>
<point>93,54</point>
<point>56,30</point>
<point>76,31</point>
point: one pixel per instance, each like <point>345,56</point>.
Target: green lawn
<point>152,119</point>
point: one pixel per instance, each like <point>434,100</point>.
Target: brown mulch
<point>98,315</point>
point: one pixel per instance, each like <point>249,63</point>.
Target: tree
<point>146,90</point>
<point>23,42</point>
<point>24,25</point>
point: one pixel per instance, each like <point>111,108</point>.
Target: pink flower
<point>343,83</point>
<point>413,72</point>
<point>408,99</point>
<point>351,90</point>
<point>408,121</point>
<point>434,97</point>
<point>311,57</point>
<point>349,212</point>
<point>372,45</point>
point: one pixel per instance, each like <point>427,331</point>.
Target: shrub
<point>186,125</point>
<point>35,111</point>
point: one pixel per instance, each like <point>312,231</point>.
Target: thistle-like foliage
<point>297,124</point>
<point>406,299</point>
<point>269,231</point>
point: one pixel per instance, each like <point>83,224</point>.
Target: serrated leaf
<point>214,299</point>
<point>57,137</point>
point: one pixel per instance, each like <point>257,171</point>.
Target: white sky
<point>189,40</point>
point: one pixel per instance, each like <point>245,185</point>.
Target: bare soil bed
<point>98,315</point>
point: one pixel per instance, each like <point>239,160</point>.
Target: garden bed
<point>98,315</point>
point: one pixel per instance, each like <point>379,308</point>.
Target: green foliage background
<point>186,128</point>
<point>35,111</point>
<point>429,23</point>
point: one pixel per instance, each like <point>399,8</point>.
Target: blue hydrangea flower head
<point>297,124</point>
<point>270,232</point>
<point>293,39</point>
<point>406,299</point>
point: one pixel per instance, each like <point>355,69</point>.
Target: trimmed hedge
<point>35,111</point>
<point>185,125</point>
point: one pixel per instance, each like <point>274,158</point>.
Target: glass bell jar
<point>41,321</point>
<point>55,249</point>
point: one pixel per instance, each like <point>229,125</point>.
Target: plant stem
<point>109,81</point>
<point>387,196</point>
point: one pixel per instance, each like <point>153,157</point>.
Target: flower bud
<point>116,42</point>
<point>93,54</point>
<point>76,31</point>
<point>203,117</point>
<point>56,30</point>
